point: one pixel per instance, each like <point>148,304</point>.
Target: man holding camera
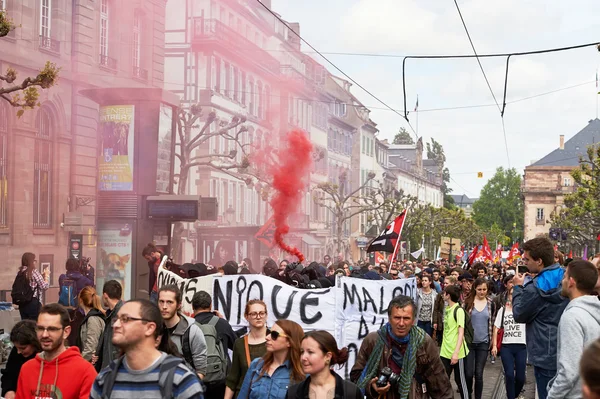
<point>539,305</point>
<point>400,360</point>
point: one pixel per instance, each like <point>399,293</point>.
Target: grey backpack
<point>216,356</point>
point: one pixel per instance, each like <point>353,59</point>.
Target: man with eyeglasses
<point>183,330</point>
<point>111,299</point>
<point>57,371</point>
<point>146,370</point>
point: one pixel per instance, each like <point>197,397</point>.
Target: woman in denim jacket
<point>270,376</point>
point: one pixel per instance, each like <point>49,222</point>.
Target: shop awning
<point>310,241</point>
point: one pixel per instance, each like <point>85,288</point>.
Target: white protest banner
<point>311,308</point>
<point>188,286</point>
<point>361,308</point>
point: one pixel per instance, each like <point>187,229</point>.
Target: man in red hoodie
<point>58,371</point>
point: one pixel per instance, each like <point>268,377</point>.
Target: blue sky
<point>472,137</point>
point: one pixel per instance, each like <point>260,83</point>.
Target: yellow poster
<point>116,148</point>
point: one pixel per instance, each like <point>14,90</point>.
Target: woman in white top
<point>513,352</point>
<point>425,300</point>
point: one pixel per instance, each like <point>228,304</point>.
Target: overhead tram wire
<point>337,68</point>
<point>486,79</point>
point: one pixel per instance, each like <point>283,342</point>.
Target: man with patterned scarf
<point>408,351</point>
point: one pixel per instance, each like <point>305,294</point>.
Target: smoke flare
<point>289,181</point>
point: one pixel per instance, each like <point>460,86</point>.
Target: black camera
<point>387,375</point>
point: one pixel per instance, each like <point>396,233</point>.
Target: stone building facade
<point>548,180</point>
<point>48,157</point>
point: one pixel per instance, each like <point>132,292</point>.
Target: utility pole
<point>450,245</point>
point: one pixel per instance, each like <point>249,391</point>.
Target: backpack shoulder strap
<point>213,321</point>
<point>110,378</point>
<point>166,375</point>
<point>186,348</point>
<point>248,360</point>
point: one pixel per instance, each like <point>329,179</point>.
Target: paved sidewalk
<point>493,382</point>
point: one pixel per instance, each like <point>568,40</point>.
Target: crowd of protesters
<point>542,310</point>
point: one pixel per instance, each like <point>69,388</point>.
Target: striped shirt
<point>37,283</point>
<point>144,383</point>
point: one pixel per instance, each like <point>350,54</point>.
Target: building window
<point>540,214</point>
<point>214,73</point>
<point>223,77</point>
<point>45,18</point>
<point>2,5</point>
<point>137,40</point>
<point>103,30</point>
<point>3,166</point>
<point>567,182</point>
<point>42,181</point>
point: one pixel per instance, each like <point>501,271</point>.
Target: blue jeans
<point>475,363</point>
<point>514,361</point>
<point>542,379</point>
<point>427,326</point>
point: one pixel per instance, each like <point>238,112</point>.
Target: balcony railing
<point>108,62</point>
<point>47,43</point>
<point>140,73</point>
<point>212,29</point>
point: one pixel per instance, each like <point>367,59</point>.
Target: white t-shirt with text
<point>514,333</point>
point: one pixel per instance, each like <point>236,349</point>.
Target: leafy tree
<point>580,215</point>
<point>435,151</point>
<point>24,95</point>
<point>403,137</point>
<point>500,203</point>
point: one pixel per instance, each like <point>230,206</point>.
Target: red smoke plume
<point>289,181</point>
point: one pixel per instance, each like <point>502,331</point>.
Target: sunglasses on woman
<point>275,334</point>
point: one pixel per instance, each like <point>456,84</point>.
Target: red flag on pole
<point>514,252</point>
<point>388,240</point>
<point>487,252</point>
<point>473,255</point>
<point>571,254</point>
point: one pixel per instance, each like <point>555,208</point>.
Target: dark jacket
<point>429,368</point>
<point>10,374</point>
<point>106,351</point>
<point>152,274</point>
<point>80,280</point>
<point>438,312</point>
<point>224,330</point>
<point>343,389</point>
<point>540,305</point>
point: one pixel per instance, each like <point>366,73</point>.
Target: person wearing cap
<point>466,281</point>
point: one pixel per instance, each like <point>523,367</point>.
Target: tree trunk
<point>340,226</point>
<point>179,227</point>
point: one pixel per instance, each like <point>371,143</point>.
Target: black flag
<point>386,242</point>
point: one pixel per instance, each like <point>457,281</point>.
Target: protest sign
<point>349,311</point>
<point>188,286</point>
<point>311,308</point>
<point>361,308</point>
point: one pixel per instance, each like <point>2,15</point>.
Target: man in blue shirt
<point>538,303</point>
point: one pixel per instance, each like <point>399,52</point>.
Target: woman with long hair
<point>38,283</point>
<point>318,354</point>
<point>513,351</point>
<point>92,325</point>
<point>224,252</point>
<point>426,297</point>
<point>590,370</point>
<point>26,346</point>
<point>270,376</point>
<point>481,308</point>
<point>249,347</point>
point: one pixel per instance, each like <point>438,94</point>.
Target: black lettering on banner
<point>190,289</point>
<point>397,291</point>
<point>306,301</point>
<point>382,310</point>
<point>288,306</point>
<point>368,299</point>
<point>258,284</point>
<point>224,298</point>
<point>409,289</point>
<point>353,295</point>
<point>352,354</point>
<point>240,290</point>
<point>363,328</point>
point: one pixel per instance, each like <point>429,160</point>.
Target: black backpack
<point>469,332</point>
<point>21,292</point>
<point>169,365</point>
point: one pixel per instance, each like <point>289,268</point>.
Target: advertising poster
<point>114,256</point>
<point>165,134</point>
<point>116,148</point>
